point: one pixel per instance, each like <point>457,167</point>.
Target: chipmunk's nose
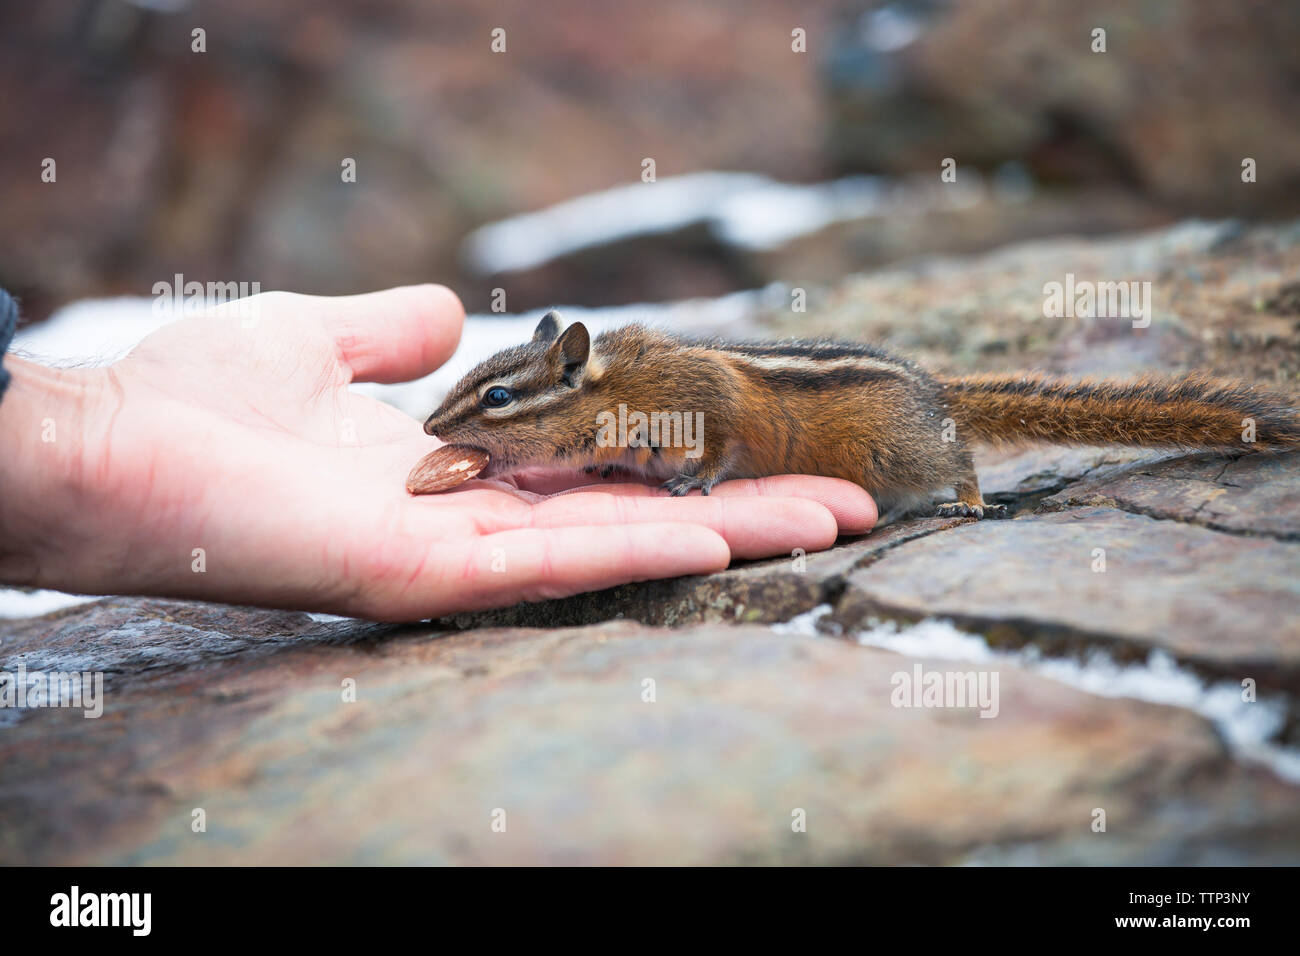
<point>431,425</point>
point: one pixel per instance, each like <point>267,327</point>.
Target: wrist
<point>49,433</point>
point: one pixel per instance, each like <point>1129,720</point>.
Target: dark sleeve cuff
<point>8,326</point>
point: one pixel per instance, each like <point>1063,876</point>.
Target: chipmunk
<point>819,408</point>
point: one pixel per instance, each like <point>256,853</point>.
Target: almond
<point>445,468</point>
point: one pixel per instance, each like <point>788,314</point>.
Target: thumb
<point>392,336</point>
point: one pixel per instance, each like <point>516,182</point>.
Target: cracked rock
<point>1225,604</point>
<point>1248,495</point>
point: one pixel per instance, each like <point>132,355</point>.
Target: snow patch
<point>746,211</point>
<point>15,603</point>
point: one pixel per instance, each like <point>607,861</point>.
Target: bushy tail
<point>1193,412</point>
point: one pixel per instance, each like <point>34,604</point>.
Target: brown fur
<point>1192,412</point>
<point>840,410</point>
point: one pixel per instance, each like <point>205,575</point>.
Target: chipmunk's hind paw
<point>959,509</point>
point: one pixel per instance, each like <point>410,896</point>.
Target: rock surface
<point>539,715</point>
<point>553,733</point>
<point>1236,495</point>
<point>1225,605</point>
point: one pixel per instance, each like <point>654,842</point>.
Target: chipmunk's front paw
<point>959,509</point>
<point>680,485</point>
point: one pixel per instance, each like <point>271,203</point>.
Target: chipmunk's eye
<point>497,396</point>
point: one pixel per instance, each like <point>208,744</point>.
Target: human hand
<point>226,459</point>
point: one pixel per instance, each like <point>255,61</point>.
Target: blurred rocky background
<point>225,165</point>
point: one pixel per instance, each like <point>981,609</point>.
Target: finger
<point>753,527</point>
<point>853,508</point>
<point>392,336</point>
<point>535,564</point>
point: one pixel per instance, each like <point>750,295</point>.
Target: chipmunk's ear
<point>548,328</point>
<point>570,351</point>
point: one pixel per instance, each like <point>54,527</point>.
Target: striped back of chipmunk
<point>824,366</point>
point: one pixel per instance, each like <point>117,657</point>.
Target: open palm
<point>230,461</point>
